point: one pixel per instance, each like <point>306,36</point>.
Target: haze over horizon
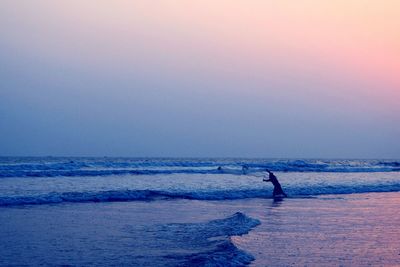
<point>292,79</point>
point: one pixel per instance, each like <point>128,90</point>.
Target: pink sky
<point>357,39</point>
<point>340,56</point>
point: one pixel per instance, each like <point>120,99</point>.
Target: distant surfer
<point>278,192</point>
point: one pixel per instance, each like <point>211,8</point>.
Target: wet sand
<point>335,230</point>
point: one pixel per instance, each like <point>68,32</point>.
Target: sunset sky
<point>200,78</point>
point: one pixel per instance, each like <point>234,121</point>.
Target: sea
<point>107,211</point>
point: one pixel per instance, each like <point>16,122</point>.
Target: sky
<point>260,78</point>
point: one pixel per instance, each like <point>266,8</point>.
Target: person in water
<point>278,191</point>
<point>245,168</point>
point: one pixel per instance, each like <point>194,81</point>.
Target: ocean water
<point>55,180</point>
<point>158,212</point>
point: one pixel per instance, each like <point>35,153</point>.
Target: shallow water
<point>159,233</point>
<point>332,230</point>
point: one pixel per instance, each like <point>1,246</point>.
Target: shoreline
<point>332,230</point>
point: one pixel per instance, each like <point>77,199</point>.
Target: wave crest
<point>212,237</point>
<point>150,195</point>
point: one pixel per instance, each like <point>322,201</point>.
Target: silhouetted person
<point>219,168</point>
<point>277,186</point>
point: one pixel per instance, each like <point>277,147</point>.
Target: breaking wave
<point>205,244</point>
<point>72,167</point>
<point>151,195</point>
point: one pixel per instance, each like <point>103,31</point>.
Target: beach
<point>199,133</point>
<point>185,213</point>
